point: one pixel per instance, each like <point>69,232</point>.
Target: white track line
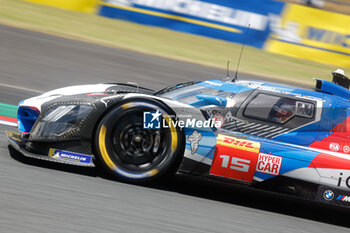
<point>21,88</point>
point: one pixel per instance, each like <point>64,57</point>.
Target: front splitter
<point>16,142</point>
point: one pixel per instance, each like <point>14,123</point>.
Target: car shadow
<point>219,191</point>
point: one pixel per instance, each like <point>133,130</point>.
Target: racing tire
<point>133,153</point>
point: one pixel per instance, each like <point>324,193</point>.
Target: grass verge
<point>157,41</point>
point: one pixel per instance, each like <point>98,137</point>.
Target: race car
<point>264,135</point>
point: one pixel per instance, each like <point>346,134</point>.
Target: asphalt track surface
<point>37,196</point>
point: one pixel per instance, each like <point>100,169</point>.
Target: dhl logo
<point>238,143</point>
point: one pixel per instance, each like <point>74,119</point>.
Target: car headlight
<point>60,119</point>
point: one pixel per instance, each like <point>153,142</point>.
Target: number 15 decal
<point>235,163</point>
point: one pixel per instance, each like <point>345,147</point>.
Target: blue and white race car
<point>265,135</point>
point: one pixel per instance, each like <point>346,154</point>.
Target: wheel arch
<point>155,101</point>
<point>115,105</point>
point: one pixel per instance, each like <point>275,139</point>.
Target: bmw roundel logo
<point>328,195</point>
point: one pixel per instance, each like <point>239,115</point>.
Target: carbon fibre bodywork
<point>78,137</point>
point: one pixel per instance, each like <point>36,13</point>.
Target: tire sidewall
<point>105,154</point>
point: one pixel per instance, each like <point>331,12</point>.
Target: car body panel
<point>298,134</point>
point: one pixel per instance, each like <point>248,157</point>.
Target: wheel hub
<point>139,146</point>
<point>137,138</point>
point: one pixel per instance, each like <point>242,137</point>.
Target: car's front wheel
<point>133,152</point>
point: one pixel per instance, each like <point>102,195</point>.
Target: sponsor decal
<point>333,146</point>
<point>333,168</point>
<point>269,164</point>
<point>341,179</point>
<point>105,102</point>
<point>235,163</point>
<point>219,120</point>
<point>332,196</point>
<point>232,165</point>
<point>70,156</point>
<point>229,117</point>
<point>328,195</point>
<point>346,149</point>
<point>267,88</point>
<point>194,139</point>
<point>235,158</point>
<point>343,198</point>
<point>238,143</point>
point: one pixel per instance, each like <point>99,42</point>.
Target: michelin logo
<point>203,10</point>
<point>70,156</point>
<point>194,139</point>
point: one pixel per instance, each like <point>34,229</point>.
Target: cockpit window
<point>277,109</point>
<point>304,109</point>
